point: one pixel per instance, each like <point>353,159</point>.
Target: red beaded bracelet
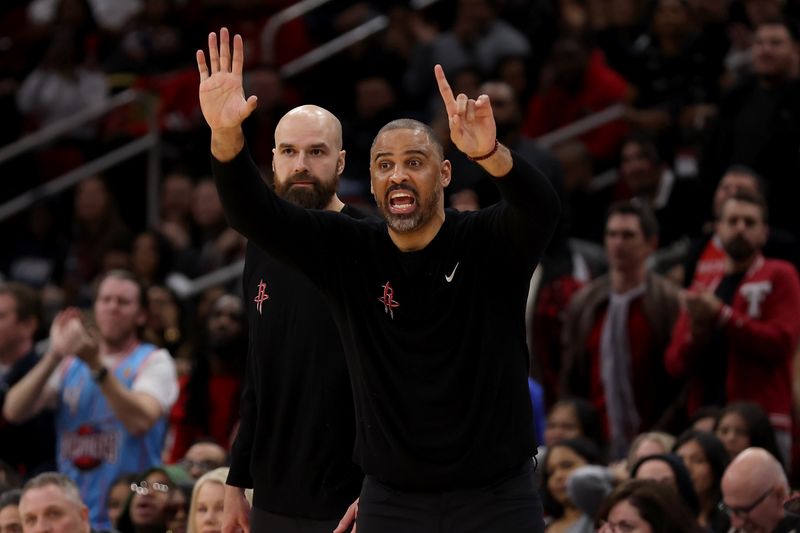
<point>487,156</point>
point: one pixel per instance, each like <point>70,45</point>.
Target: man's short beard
<point>407,223</point>
<point>318,196</point>
<point>738,248</point>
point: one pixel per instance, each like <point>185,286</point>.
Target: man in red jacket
<point>736,335</point>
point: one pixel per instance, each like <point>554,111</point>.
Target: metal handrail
<point>581,126</point>
<point>66,125</point>
<point>325,50</point>
<point>334,46</point>
<point>148,143</point>
<point>72,178</point>
<point>280,18</point>
<point>186,288</point>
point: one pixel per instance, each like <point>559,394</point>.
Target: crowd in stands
<point>663,324</point>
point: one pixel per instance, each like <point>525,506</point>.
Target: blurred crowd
<point>664,319</point>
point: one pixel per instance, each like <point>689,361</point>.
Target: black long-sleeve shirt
<point>434,339</point>
<point>297,429</point>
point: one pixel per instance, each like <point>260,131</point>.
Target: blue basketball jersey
<point>94,448</point>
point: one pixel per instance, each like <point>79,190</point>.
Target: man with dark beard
<point>737,334</point>
<point>430,305</point>
<point>297,429</point>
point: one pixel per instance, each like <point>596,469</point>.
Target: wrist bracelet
<point>487,156</point>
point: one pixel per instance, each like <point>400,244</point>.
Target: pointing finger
<point>445,90</point>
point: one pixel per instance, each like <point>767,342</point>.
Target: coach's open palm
<point>221,91</point>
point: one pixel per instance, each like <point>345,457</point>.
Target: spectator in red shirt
<point>735,338</point>
<point>577,84</point>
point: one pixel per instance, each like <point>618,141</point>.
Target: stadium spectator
<point>112,392</point>
<point>754,488</point>
<point>97,228</point>
<point>645,505</point>
<point>10,521</point>
<point>758,122</point>
<point>208,405</point>
<point>577,83</point>
<point>669,469</point>
<point>744,425</point>
<point>571,418</point>
<point>51,502</point>
<point>216,243</point>
<point>675,200</point>
<point>203,456</point>
<point>478,38</point>
<point>205,510</point>
<point>28,447</point>
<point>616,329</point>
<point>705,261</point>
<point>736,338</point>
<point>148,508</point>
<point>561,460</point>
<point>706,458</point>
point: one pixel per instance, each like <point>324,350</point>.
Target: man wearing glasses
<point>754,489</point>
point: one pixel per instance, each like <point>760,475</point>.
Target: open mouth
<point>145,509</point>
<point>402,202</point>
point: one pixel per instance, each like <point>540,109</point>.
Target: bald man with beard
<point>754,488</point>
<point>297,430</point>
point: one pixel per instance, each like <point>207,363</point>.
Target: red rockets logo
<point>262,295</point>
<point>389,304</point>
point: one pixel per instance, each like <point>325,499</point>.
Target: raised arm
<point>221,93</point>
<point>303,238</point>
<point>531,209</point>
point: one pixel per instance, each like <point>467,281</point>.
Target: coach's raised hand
<point>473,129</point>
<point>222,98</point>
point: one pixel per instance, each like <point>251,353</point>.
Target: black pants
<point>265,522</point>
<point>509,506</point>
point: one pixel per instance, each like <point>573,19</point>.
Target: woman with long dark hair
<point>563,458</point>
<point>705,458</point>
<point>743,425</point>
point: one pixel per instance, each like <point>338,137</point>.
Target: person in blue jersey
<point>111,392</point>
<point>430,306</point>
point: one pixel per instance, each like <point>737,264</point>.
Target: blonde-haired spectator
<point>208,499</point>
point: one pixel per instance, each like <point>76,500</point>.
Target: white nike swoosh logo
<point>453,273</point>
